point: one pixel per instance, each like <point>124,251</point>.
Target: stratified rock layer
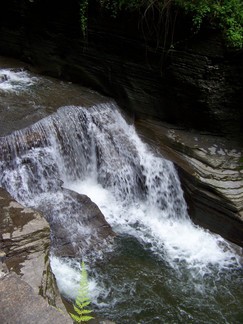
<point>27,285</point>
<point>196,82</point>
<point>211,174</point>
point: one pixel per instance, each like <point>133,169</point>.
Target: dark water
<point>145,289</point>
<point>161,268</point>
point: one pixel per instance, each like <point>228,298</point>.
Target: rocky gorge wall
<point>196,84</point>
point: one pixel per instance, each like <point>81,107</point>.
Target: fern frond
<point>83,288</point>
<point>82,305</point>
<point>82,299</point>
<point>82,311</point>
<point>86,311</point>
<point>86,318</point>
<point>76,318</point>
<point>78,310</point>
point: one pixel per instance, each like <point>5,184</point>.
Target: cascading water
<point>160,268</point>
<point>14,80</point>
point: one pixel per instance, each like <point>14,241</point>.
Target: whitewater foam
<point>15,80</point>
<point>68,275</point>
<point>177,240</point>
<point>95,152</point>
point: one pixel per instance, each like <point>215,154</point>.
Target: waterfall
<point>94,151</point>
<point>160,267</point>
<point>14,80</point>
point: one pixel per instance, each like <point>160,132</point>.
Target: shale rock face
<point>211,174</point>
<point>196,83</point>
<point>27,285</point>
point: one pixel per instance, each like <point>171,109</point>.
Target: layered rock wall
<point>211,177</point>
<point>196,83</point>
<point>28,291</point>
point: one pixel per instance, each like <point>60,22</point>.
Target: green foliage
<point>230,17</point>
<point>225,14</point>
<point>82,300</point>
<point>83,7</point>
<point>114,6</point>
<point>200,9</point>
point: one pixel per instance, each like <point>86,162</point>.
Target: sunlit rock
<point>27,285</point>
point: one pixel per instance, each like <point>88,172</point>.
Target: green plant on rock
<point>82,300</point>
<point>83,8</point>
<point>225,14</point>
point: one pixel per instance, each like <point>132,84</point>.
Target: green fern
<point>82,299</point>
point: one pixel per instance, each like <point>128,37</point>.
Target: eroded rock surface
<point>27,285</point>
<point>20,304</point>
<point>211,172</point>
<point>77,224</point>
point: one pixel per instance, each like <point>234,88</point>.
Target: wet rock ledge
<point>211,173</point>
<point>28,292</point>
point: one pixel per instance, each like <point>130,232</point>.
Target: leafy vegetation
<point>83,7</point>
<point>224,14</point>
<point>82,301</point>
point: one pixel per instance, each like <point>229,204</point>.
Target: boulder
<point>211,173</point>
<point>28,291</point>
<point>20,304</point>
<point>77,225</point>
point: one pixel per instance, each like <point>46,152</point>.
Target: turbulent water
<point>161,268</point>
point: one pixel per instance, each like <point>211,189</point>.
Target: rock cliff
<point>28,292</point>
<point>196,82</point>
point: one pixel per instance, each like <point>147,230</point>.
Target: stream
<point>160,267</point>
